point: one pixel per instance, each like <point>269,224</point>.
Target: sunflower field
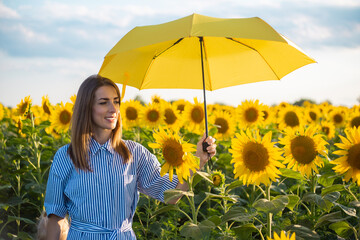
<point>290,171</point>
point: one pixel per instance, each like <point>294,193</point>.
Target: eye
<point>117,102</point>
<point>102,103</point>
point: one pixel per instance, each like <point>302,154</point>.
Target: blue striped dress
<point>101,204</point>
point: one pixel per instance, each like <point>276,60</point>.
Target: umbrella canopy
<point>169,55</point>
<point>200,52</point>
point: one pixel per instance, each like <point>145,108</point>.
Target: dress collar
<point>95,146</point>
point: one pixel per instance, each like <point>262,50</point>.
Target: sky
<point>50,47</point>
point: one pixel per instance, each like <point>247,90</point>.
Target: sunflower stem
<point>351,193</point>
<point>269,215</point>
<point>313,181</point>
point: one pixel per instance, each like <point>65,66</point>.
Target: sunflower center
<point>23,108</point>
<point>153,115</point>
<point>256,156</point>
<point>223,125</point>
<point>173,152</point>
<point>180,107</point>
<point>354,156</point>
<point>266,114</point>
<point>338,118</point>
<point>156,100</point>
<point>355,122</point>
<point>312,116</point>
<point>65,117</point>
<point>303,149</point>
<point>131,113</point>
<point>170,116</point>
<point>291,119</point>
<point>251,114</point>
<point>46,108</point>
<point>216,180</point>
<point>197,114</point>
<point>326,130</point>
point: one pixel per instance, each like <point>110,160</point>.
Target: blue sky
<point>50,47</point>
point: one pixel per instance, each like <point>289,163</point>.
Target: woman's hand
<point>211,150</point>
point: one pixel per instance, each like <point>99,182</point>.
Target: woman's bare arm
<point>53,228</point>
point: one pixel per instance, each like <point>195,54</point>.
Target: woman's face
<point>105,110</point>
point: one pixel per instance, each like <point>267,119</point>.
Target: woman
<point>96,178</point>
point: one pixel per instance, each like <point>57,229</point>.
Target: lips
<point>111,118</point>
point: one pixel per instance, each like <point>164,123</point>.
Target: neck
<point>102,136</point>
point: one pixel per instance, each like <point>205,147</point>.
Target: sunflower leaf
<point>343,229</point>
<point>303,232</point>
<point>205,176</point>
<point>176,193</point>
<point>165,209</point>
<point>289,173</point>
<point>191,230</point>
<point>333,188</point>
<point>274,206</point>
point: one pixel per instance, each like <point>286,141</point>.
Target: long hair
<point>82,124</point>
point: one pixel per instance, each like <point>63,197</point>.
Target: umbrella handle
<point>204,146</point>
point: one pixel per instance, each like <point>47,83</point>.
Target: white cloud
<point>25,33</point>
<point>8,13</point>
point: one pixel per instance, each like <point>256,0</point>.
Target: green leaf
<point>205,176</point>
<point>343,229</point>
<point>26,220</point>
<point>7,186</point>
<point>303,232</point>
<point>155,228</point>
<point>245,231</point>
<point>327,179</point>
<point>334,188</point>
<point>215,219</point>
<point>233,185</point>
<point>293,200</point>
<point>354,204</point>
<point>175,193</point>
<point>232,198</point>
<point>165,209</point>
<point>331,217</point>
<point>274,206</point>
<point>349,211</point>
<point>289,173</point>
<point>238,214</point>
<point>316,199</point>
<point>191,230</point>
<point>332,197</point>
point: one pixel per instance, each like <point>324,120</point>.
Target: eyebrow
<point>116,98</point>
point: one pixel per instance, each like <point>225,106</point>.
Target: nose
<point>113,107</point>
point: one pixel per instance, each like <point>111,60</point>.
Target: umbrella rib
<point>257,52</point>
<point>152,60</point>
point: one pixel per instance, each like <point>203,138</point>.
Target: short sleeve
<point>149,180</point>
<point>55,199</point>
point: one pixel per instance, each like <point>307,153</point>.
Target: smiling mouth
<point>111,118</point>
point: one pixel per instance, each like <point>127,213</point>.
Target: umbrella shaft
<point>203,79</point>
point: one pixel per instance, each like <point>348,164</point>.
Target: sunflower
<point>22,108</point>
<point>73,99</point>
<point>151,115</point>
<point>218,178</point>
<point>354,119</point>
<point>349,162</point>
<point>290,117</point>
<point>338,116</point>
<point>302,149</point>
<point>312,114</point>
<point>194,116</point>
<point>172,117</point>
<point>156,99</point>
<point>249,114</point>
<point>60,118</point>
<point>181,104</point>
<point>256,160</point>
<point>224,123</point>
<point>130,113</point>
<point>176,153</point>
<point>283,236</point>
<point>268,115</point>
<point>2,112</point>
<point>328,129</point>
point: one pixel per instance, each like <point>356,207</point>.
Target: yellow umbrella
<point>200,52</point>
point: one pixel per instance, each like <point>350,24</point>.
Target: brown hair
<point>81,124</point>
